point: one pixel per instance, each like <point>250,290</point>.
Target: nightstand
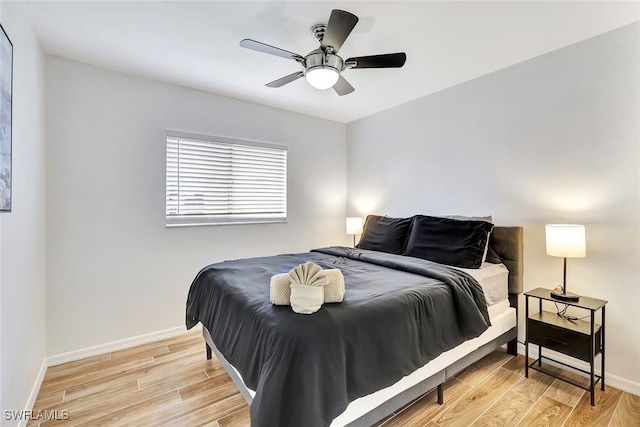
<point>580,339</point>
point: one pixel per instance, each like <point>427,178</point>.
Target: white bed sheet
<point>494,280</point>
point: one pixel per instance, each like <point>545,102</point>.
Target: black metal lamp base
<point>565,297</point>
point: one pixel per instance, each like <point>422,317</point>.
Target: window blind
<point>214,180</point>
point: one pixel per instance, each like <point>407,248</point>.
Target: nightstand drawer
<point>550,331</point>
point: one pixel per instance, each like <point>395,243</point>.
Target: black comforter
<point>398,313</point>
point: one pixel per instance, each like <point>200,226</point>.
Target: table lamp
<point>565,241</point>
<point>354,226</point>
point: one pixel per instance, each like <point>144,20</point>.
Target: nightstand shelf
<point>579,339</point>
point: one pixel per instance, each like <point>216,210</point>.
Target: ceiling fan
<point>322,67</point>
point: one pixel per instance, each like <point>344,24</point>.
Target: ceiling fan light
<point>322,77</point>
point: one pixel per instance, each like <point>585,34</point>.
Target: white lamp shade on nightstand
<point>566,240</point>
<point>354,225</point>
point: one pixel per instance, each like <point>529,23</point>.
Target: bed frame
<point>506,247</point>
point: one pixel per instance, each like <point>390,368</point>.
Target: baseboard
<point>113,346</point>
<point>612,380</point>
<point>34,393</point>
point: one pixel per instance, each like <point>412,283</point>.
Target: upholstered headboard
<point>506,247</point>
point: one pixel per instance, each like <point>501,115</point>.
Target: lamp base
<point>565,297</point>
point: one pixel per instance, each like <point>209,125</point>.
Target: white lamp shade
<point>322,78</point>
<point>354,225</point>
<point>566,240</point>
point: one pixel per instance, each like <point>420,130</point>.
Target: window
<point>213,180</point>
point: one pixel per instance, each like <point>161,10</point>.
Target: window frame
<point>190,220</point>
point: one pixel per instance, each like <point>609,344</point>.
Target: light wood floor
<point>170,383</point>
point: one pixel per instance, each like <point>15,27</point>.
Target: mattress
<point>494,280</point>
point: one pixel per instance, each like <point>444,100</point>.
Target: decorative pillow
<point>448,241</point>
<point>384,234</point>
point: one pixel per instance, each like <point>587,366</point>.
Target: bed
<point>355,362</point>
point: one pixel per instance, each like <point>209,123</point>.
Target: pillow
<point>459,243</point>
<point>384,234</point>
<point>487,218</point>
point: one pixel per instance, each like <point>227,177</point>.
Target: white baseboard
<point>113,346</point>
<point>610,380</point>
<point>34,393</point>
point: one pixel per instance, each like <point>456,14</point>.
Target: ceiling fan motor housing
<point>319,59</point>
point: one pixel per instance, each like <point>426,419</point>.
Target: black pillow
<point>448,241</point>
<point>384,234</point>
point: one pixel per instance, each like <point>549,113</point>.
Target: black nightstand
<point>580,339</point>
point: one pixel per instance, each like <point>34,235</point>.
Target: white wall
<point>553,139</point>
<point>114,270</point>
<point>22,232</point>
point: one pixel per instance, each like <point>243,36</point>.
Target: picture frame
<point>6,120</point>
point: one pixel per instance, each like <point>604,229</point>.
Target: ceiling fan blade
<point>389,60</point>
<point>339,27</point>
<point>271,50</point>
<point>286,79</point>
<point>342,87</point>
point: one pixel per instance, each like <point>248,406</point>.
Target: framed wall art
<point>6,93</point>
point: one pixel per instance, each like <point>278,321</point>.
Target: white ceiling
<point>196,43</point>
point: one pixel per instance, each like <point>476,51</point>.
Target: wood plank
<point>237,419</point>
<point>86,389</point>
<point>215,370</point>
<point>102,365</point>
<point>174,374</point>
<point>174,382</point>
<point>113,382</point>
<point>516,364</point>
<point>88,375</point>
<point>477,372</point>
<point>564,392</point>
<point>104,394</point>
<point>171,414</point>
<point>94,389</point>
<point>187,337</point>
<point>179,354</point>
<point>627,412</point>
<point>546,413</point>
<point>53,370</point>
<point>215,384</point>
<point>534,386</point>
<point>81,412</point>
<point>126,415</point>
<point>599,415</point>
<point>186,340</point>
<point>144,350</point>
<point>209,413</point>
<point>507,411</point>
<point>470,406</point>
<point>44,401</point>
<point>426,408</point>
